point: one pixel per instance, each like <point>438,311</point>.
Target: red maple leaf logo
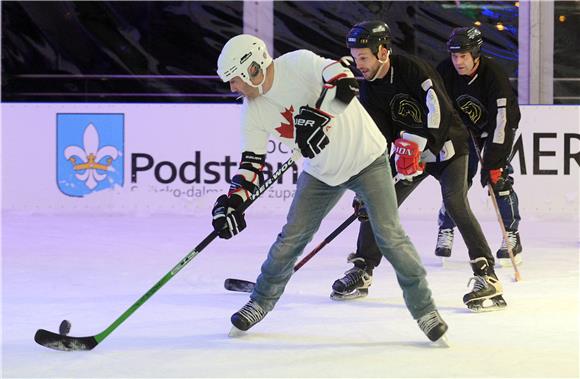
<point>287,130</point>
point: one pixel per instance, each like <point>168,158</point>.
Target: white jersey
<point>355,140</point>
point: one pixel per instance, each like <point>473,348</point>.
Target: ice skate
<point>487,291</point>
<point>444,244</point>
<point>248,316</point>
<point>513,242</point>
<point>434,328</point>
<point>355,283</point>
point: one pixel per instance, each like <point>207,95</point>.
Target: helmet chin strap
<point>259,86</point>
<point>383,63</point>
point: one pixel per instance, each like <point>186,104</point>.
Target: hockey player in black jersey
<point>407,99</point>
<point>484,99</point>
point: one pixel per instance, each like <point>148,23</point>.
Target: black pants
<point>452,176</point>
<point>508,203</point>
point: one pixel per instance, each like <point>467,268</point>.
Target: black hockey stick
<point>240,285</point>
<point>67,343</point>
<point>491,193</point>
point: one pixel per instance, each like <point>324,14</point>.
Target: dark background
<point>167,51</point>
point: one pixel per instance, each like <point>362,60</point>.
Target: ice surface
<point>90,269</point>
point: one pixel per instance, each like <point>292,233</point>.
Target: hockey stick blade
<point>239,285</point>
<point>64,343</point>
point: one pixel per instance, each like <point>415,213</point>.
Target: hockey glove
<point>407,156</point>
<point>310,135</point>
<point>493,176</point>
<point>227,222</point>
<point>501,182</point>
<point>347,61</point>
<point>360,209</point>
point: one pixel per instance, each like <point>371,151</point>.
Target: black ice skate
<point>356,282</point>
<point>245,318</point>
<point>444,243</point>
<point>434,328</point>
<point>487,291</point>
<point>514,243</point>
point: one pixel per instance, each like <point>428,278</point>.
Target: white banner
<point>177,158</point>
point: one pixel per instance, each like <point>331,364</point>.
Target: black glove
<point>360,209</point>
<point>310,135</point>
<point>227,221</point>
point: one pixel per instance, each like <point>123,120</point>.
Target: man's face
<point>237,85</point>
<point>366,62</point>
<point>463,62</point>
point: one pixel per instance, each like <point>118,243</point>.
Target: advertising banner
<point>177,158</point>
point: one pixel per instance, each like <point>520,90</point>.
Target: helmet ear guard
<point>254,70</point>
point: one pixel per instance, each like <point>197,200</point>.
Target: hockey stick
<point>518,277</point>
<point>64,342</point>
<point>240,285</point>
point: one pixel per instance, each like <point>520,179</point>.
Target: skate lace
<point>353,276</point>
<point>445,238</point>
<point>512,240</point>
<point>429,321</point>
<point>252,312</point>
<point>480,283</point>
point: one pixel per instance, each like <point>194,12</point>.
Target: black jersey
<point>487,104</point>
<point>411,98</point>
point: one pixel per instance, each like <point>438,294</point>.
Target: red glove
<point>495,175</point>
<point>492,176</point>
<point>407,155</point>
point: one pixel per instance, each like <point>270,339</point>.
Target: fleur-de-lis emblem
<point>88,161</point>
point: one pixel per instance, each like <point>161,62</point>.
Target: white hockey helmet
<point>238,54</point>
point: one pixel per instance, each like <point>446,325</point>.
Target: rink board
<point>177,158</point>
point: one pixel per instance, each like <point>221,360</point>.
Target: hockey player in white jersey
<point>343,149</point>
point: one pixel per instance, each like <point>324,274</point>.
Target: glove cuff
<point>235,201</point>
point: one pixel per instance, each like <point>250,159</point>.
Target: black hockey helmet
<point>369,34</point>
<point>465,39</point>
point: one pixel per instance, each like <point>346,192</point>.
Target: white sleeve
<point>320,70</point>
<point>254,136</point>
<point>332,74</point>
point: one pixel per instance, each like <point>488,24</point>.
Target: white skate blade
<point>443,342</point>
<point>506,262</point>
<point>488,305</point>
<point>235,332</point>
<point>443,262</point>
<point>357,294</point>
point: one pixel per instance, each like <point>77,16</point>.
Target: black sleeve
<point>446,71</point>
<point>441,67</point>
<point>427,85</point>
<point>503,116</point>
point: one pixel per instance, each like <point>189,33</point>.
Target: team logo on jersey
<point>407,111</point>
<point>473,110</point>
<point>89,152</point>
<point>286,130</point>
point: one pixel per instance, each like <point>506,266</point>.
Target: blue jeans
<point>451,177</point>
<point>312,202</point>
